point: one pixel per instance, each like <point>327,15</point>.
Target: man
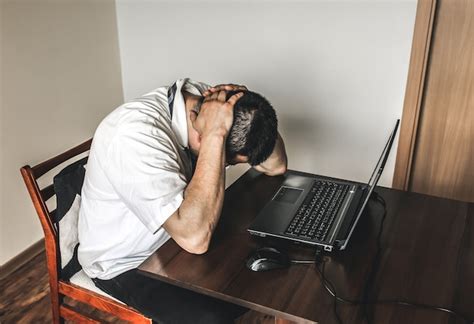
<point>156,170</point>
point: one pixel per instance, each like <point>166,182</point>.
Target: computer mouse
<point>267,258</point>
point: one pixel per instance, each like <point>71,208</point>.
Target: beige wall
<point>60,76</point>
<point>335,70</point>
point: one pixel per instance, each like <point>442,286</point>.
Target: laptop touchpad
<point>288,195</point>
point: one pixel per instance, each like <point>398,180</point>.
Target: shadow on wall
<point>326,132</point>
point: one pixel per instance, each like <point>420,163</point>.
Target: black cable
<point>329,286</point>
<point>331,289</point>
<point>336,313</point>
<point>375,262</point>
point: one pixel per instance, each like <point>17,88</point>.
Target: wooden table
<point>427,257</point>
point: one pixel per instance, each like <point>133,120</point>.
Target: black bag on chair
<point>68,186</point>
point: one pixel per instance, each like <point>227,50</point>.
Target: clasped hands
<point>216,114</point>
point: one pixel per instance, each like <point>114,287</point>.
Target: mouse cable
<point>302,261</point>
<point>376,261</point>
<point>329,286</point>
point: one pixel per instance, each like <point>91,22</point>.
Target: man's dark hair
<point>254,130</point>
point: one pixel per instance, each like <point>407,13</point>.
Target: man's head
<point>254,129</point>
<point>253,133</point>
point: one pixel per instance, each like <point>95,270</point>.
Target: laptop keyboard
<point>318,211</point>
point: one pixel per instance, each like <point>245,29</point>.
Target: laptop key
<point>318,211</point>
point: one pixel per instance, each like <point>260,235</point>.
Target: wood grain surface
<point>24,298</point>
<point>420,50</point>
<point>427,257</point>
<point>443,163</point>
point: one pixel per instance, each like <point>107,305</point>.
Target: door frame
<point>422,35</point>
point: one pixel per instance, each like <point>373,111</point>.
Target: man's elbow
<point>197,249</point>
<point>277,170</point>
<point>281,170</point>
<point>199,244</point>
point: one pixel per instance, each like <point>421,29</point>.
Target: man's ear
<point>192,116</point>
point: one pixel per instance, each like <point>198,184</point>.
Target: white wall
<point>334,70</point>
<point>60,76</point>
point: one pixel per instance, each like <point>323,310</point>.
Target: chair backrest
<point>40,196</point>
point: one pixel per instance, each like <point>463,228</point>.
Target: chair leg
<point>55,309</point>
<point>55,300</point>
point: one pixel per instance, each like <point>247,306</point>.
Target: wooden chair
<point>60,288</point>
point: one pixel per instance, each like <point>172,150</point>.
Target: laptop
<point>317,210</point>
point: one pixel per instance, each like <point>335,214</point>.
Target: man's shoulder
<point>131,133</point>
<point>149,110</point>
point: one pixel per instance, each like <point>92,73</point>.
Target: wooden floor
<point>25,295</point>
<point>24,298</point>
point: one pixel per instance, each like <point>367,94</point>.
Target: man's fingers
<point>220,87</point>
<point>208,91</point>
<point>212,90</point>
<point>221,96</point>
<point>231,86</point>
<point>232,100</point>
<point>214,95</point>
<point>227,87</point>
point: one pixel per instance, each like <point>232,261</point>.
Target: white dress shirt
<point>137,171</point>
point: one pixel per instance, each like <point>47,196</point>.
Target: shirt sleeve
<point>142,166</point>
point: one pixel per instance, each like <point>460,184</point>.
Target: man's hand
<point>223,87</point>
<point>192,225</point>
<point>216,115</point>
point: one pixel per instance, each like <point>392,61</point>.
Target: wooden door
<point>435,154</point>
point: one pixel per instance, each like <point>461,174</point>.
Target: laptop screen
<point>374,178</point>
<point>383,158</point>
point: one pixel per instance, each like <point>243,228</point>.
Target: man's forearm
<point>192,225</point>
<point>204,196</point>
<point>277,162</point>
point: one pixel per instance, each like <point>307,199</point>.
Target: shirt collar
<point>179,122</point>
